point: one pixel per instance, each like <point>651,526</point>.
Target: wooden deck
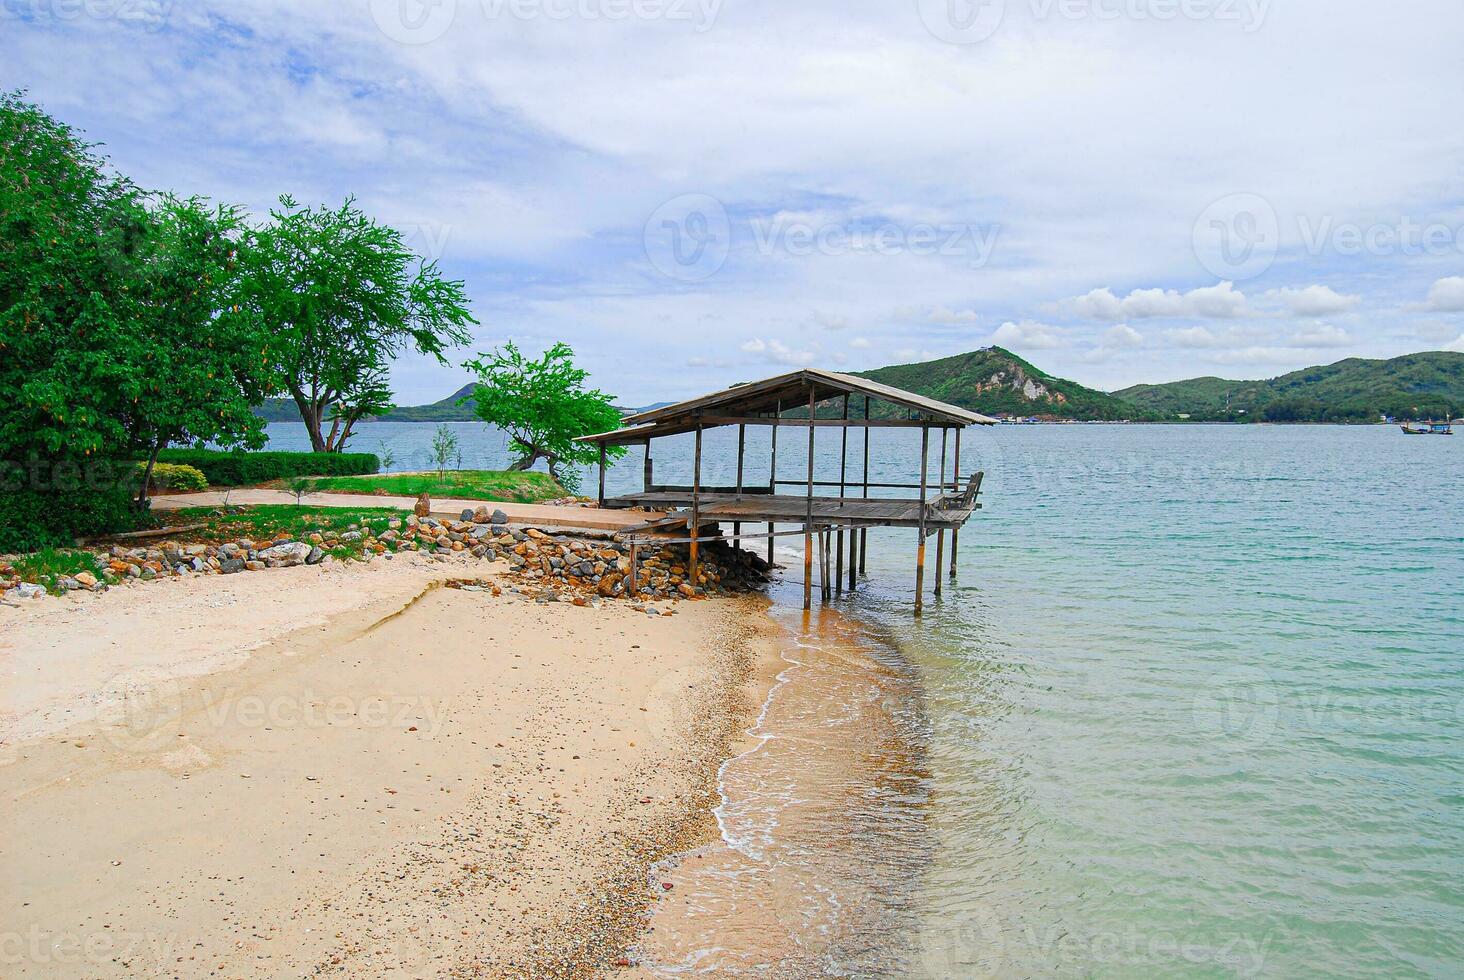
<point>788,509</point>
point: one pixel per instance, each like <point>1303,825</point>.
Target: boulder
<point>27,590</point>
<point>287,554</point>
<point>466,515</point>
<point>314,557</point>
<point>423,507</point>
<point>481,515</point>
<point>87,580</point>
<point>498,517</point>
<point>229,566</point>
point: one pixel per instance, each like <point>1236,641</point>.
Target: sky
<point>697,192</point>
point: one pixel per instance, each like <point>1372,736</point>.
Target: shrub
<point>176,476</point>
<point>232,469</point>
<point>53,503</point>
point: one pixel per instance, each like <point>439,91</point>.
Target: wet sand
<point>355,772</point>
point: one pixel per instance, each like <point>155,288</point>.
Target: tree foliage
<point>115,335</point>
<point>339,295</point>
<point>543,405</point>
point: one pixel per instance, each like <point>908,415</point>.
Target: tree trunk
<point>147,473</point>
<point>310,414</point>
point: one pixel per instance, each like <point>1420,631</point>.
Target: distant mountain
<point>994,381</point>
<point>1430,384</point>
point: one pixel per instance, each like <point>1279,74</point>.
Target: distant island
<point>997,382</point>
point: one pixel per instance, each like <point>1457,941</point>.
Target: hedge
<point>234,469</point>
<point>174,476</point>
<point>53,503</point>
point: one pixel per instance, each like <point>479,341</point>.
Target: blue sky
<point>695,192</point>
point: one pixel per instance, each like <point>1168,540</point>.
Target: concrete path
<point>586,517</point>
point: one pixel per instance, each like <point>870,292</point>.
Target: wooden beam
<point>920,551</point>
<point>603,452</point>
<point>712,421</point>
<point>773,479</point>
<point>691,568</point>
<point>864,531</point>
<point>940,535</point>
<point>808,516</point>
<point>956,478</point>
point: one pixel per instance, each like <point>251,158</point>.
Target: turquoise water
<point>1193,705</point>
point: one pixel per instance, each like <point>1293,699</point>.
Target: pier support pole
<point>630,591</point>
<point>920,551</point>
<point>843,479</point>
<point>864,531</point>
<point>773,478</point>
<point>940,534</point>
<point>603,454</point>
<point>853,556</point>
<point>741,443</point>
<point>808,514</point>
<point>956,479</point>
<point>691,566</point>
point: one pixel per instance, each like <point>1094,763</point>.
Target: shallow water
<point>1193,706</point>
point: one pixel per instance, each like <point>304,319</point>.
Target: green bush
<point>235,469</point>
<point>175,476</point>
<point>53,503</point>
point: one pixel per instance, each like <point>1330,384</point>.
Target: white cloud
<point>1220,301</point>
<point>1446,295</point>
<point>908,355</point>
<point>1122,335</point>
<point>1192,337</point>
<point>1457,345</point>
<point>1028,334</point>
<point>1322,335</point>
<point>776,352</point>
<point>860,343</point>
<point>830,321</point>
<point>942,314</point>
<point>1316,300</point>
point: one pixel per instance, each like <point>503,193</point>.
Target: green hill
<point>995,381</point>
<point>1429,384</point>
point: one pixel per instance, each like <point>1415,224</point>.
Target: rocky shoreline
<point>548,565</point>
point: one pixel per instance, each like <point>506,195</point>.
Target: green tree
<point>444,448</point>
<point>543,406</point>
<point>340,295</point>
<point>116,332</point>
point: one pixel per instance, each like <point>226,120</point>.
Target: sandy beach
<point>355,770</point>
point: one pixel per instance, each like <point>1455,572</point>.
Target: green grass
<point>469,484</point>
<point>46,566</point>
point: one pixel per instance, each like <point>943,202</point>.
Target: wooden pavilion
<point>828,510</point>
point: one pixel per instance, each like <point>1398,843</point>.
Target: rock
<point>466,515</point>
<point>498,517</point>
<point>254,566</point>
<point>86,580</point>
<point>351,536</point>
<point>199,565</point>
<point>423,507</point>
<point>480,515</point>
<point>287,554</point>
<point>27,590</point>
<point>314,557</point>
<point>229,566</point>
<point>389,536</point>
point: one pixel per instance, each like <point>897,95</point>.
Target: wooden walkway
<point>537,514</point>
<point>787,509</point>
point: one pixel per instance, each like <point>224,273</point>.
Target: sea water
<point>1193,705</point>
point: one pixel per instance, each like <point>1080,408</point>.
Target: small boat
<point>1426,428</point>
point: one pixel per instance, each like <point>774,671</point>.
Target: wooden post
<point>956,479</point>
<point>741,443</point>
<point>940,534</point>
<point>773,477</point>
<point>648,466</point>
<point>864,531</point>
<point>920,551</point>
<point>843,470</point>
<point>633,572</point>
<point>602,473</point>
<point>853,556</point>
<point>695,507</point>
<point>808,513</point>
